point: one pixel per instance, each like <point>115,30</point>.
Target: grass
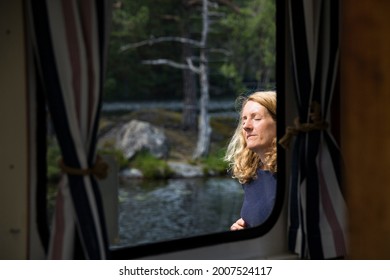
<point>213,164</point>
<point>151,167</point>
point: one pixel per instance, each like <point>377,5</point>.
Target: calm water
<point>152,211</point>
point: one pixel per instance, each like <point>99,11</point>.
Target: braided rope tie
<point>317,124</point>
<point>100,169</point>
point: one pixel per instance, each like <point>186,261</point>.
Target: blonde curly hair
<point>244,163</point>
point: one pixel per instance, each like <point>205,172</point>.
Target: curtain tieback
<point>317,124</point>
<point>100,169</point>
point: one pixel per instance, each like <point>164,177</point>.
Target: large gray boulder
<point>137,135</point>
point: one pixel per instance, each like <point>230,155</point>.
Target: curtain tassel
<point>317,124</point>
<point>100,169</point>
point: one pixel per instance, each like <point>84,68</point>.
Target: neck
<point>262,156</point>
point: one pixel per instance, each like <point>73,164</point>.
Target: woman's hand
<point>238,225</point>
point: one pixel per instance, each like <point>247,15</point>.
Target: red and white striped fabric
<point>70,39</point>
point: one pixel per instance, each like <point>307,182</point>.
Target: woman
<point>251,155</point>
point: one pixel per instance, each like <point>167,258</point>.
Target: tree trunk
<point>202,148</point>
<point>204,132</point>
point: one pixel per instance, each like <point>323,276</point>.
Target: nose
<point>247,125</point>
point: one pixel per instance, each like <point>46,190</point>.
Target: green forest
<point>153,45</point>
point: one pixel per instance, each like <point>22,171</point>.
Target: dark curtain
<point>317,222</point>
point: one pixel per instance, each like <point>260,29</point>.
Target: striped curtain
<point>317,208</point>
<point>70,41</point>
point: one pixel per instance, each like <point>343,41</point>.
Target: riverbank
<point>182,143</point>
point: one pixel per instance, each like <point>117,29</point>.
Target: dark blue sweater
<point>259,198</point>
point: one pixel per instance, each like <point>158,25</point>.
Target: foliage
<point>151,167</point>
<point>120,159</point>
<point>127,78</point>
<point>214,164</point>
<point>249,36</point>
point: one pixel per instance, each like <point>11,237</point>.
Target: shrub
<point>122,161</point>
<point>214,163</point>
<point>151,167</point>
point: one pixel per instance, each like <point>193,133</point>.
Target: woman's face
<point>259,128</point>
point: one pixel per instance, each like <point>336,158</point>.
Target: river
<point>153,211</point>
